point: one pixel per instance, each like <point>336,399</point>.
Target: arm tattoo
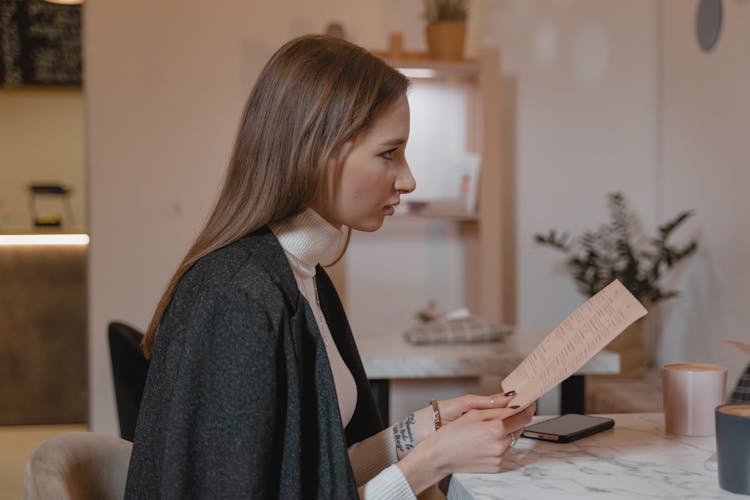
<point>404,436</point>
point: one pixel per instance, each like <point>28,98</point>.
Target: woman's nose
<point>405,182</point>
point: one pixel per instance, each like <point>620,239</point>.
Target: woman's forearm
<point>413,430</point>
<point>417,457</point>
<point>422,467</point>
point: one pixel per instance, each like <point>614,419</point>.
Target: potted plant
<point>620,250</point>
<point>446,28</point>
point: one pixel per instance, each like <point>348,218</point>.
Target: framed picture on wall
<point>40,43</point>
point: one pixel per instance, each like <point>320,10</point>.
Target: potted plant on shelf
<point>446,28</point>
<point>620,250</point>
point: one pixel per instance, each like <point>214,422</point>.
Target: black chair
<point>741,393</point>
<point>129,369</point>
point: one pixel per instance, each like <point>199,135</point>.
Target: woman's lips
<point>391,207</point>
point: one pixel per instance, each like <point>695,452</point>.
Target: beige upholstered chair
<point>78,465</point>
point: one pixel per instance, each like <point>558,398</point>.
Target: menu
<point>573,342</point>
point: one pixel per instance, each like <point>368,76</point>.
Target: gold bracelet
<point>436,414</point>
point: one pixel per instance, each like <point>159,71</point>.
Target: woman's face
<point>371,174</point>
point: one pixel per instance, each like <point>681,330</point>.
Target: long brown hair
<point>314,95</point>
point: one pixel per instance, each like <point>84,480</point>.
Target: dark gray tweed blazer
<point>240,400</point>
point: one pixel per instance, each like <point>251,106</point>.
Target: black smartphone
<point>567,428</point>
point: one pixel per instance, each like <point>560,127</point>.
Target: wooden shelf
<point>42,230</point>
<point>489,233</point>
<point>437,70</point>
<point>452,215</point>
<point>418,65</point>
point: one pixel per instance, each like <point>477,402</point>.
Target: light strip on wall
<point>43,239</point>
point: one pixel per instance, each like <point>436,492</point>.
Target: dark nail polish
<point>514,407</point>
<point>510,393</point>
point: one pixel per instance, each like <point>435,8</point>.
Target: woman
<point>255,387</point>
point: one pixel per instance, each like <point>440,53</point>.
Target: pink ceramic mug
<point>691,393</point>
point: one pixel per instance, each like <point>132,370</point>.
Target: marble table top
<point>635,460</point>
<point>387,355</point>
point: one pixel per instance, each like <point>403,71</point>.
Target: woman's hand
<point>474,442</point>
<point>420,425</point>
<point>478,440</point>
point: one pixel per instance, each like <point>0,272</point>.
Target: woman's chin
<point>369,225</point>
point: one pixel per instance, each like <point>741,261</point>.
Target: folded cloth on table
<point>451,330</point>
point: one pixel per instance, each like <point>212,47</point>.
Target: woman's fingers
<point>451,409</point>
<point>498,400</point>
<point>502,420</point>
<point>521,419</point>
<point>458,406</point>
<point>498,414</point>
<point>515,424</point>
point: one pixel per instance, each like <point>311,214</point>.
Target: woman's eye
<point>388,155</point>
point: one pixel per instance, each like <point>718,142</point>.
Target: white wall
<point>586,120</point>
<point>707,167</point>
<point>41,140</point>
<point>583,79</point>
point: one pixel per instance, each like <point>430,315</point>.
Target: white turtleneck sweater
<point>308,239</point>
